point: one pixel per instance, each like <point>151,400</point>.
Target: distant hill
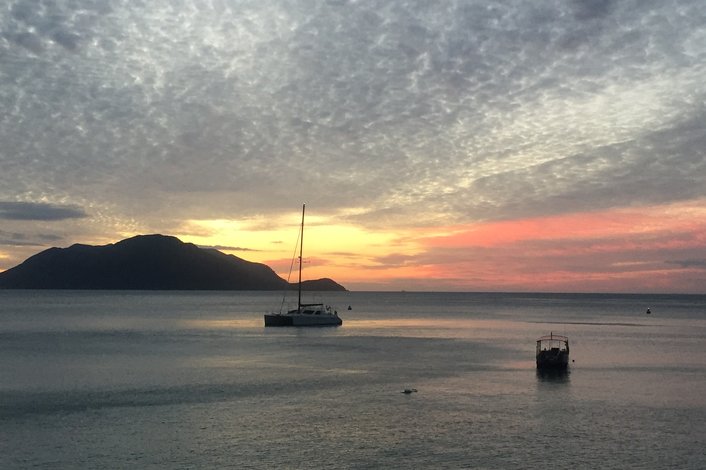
<point>147,262</point>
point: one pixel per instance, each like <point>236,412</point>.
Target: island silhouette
<point>147,262</point>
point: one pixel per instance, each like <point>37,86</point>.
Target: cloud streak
<point>38,211</point>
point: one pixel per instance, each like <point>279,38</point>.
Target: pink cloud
<point>654,249</point>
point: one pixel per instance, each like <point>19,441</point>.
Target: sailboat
<point>316,314</point>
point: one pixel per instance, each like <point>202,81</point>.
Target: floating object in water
<point>350,308</point>
<point>552,352</point>
<point>648,311</point>
<point>407,391</point>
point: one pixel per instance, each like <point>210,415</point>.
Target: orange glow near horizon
<point>658,249</point>
<point>334,251</point>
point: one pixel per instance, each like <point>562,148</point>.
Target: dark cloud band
<point>39,211</point>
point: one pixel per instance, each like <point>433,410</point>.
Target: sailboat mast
<point>301,260</point>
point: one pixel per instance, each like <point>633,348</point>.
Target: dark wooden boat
<point>553,352</point>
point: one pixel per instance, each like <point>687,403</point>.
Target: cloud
<point>38,211</point>
<point>384,114</point>
<point>30,41</point>
<point>228,248</point>
<point>397,107</point>
<point>68,40</point>
<point>654,168</point>
<point>690,263</point>
<point>591,9</point>
<point>397,259</point>
<point>29,240</point>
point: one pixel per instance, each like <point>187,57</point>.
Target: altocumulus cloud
<point>409,111</point>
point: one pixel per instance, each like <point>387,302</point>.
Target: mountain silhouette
<point>147,262</point>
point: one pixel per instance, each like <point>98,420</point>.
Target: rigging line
<point>291,267</point>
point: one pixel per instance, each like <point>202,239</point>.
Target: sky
<point>447,145</point>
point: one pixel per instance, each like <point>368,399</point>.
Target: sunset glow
<point>621,250</point>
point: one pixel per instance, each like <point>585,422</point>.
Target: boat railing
<point>553,342</point>
<point>313,309</point>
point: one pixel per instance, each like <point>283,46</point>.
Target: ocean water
<point>193,380</point>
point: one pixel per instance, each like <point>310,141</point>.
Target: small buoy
<point>350,308</point>
<point>648,311</point>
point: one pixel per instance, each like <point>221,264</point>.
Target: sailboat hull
<point>278,320</point>
<point>300,319</point>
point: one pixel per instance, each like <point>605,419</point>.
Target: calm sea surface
<point>194,380</point>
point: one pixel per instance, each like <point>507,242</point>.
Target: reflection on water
<point>560,376</point>
<point>221,324</point>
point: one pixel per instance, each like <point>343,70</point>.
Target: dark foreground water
<point>193,380</point>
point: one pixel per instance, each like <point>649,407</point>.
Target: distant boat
<point>648,311</point>
<point>314,314</point>
<point>552,352</point>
